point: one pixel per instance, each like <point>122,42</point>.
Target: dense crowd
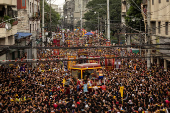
<point>40,89</point>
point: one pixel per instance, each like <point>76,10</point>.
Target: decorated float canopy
<point>87,65</point>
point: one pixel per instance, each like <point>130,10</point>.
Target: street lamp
<point>98,23</point>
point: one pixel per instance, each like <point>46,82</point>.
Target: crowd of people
<point>40,89</point>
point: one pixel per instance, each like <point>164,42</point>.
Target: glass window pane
<point>23,2</point>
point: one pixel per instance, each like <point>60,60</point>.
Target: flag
<point>64,81</point>
<point>121,90</point>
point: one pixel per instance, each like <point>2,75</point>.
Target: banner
<point>56,42</point>
<point>56,52</point>
<point>71,63</point>
<point>81,55</point>
<point>121,90</point>
<point>107,43</point>
<point>109,62</point>
<point>117,63</point>
<point>97,60</point>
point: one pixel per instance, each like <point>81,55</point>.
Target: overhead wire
<point>79,47</point>
<point>145,14</point>
<point>79,59</point>
<point>161,8</point>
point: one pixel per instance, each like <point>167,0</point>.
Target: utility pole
<point>108,21</point>
<point>81,14</point>
<point>105,26</point>
<point>140,38</point>
<point>149,34</point>
<point>43,24</point>
<point>62,33</point>
<point>50,20</point>
<point>98,24</point>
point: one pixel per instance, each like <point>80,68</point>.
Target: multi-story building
<point>31,16</point>
<point>68,17</point>
<point>72,12</point>
<point>159,21</point>
<point>58,9</point>
<point>29,25</point>
<point>7,29</point>
<point>54,6</point>
<point>77,13</point>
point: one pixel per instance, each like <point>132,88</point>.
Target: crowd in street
<point>40,89</point>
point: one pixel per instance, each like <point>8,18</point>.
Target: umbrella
<point>92,32</point>
<point>88,33</point>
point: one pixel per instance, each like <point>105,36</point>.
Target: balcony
<point>6,33</point>
<point>35,16</point>
<point>8,2</point>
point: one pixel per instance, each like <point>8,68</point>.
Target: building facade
<point>58,9</point>
<point>159,25</point>
<point>29,11</point>
<point>31,17</point>
<point>72,13</point>
<point>68,18</point>
<point>77,12</point>
<point>7,29</point>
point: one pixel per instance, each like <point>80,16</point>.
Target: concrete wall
<point>8,2</point>
<point>160,14</point>
<point>26,24</point>
<point>23,25</point>
<point>6,33</point>
<point>3,57</point>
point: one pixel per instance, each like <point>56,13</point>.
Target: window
<point>30,28</point>
<point>35,8</point>
<point>159,1</point>
<point>33,27</point>
<point>166,28</point>
<point>159,27</point>
<point>152,2</point>
<point>23,2</point>
<point>30,7</point>
<point>153,26</point>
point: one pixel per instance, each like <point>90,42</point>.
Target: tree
<point>54,16</point>
<point>135,13</point>
<point>94,6</point>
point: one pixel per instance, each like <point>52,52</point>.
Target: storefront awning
<point>20,35</point>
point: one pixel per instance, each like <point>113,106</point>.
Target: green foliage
<point>54,15</point>
<point>92,18</point>
<point>8,18</point>
<point>134,12</point>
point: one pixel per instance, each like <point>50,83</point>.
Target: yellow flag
<point>64,81</point>
<point>121,90</point>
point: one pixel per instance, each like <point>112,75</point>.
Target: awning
<point>20,35</point>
